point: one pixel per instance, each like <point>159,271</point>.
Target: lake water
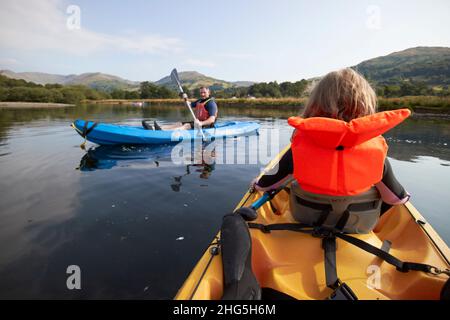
<point>134,221</point>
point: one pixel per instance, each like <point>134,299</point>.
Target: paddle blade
<point>176,79</point>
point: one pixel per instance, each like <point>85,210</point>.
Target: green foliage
<point>72,95</point>
<point>152,91</point>
<point>118,94</point>
<point>21,90</point>
<point>53,86</point>
<point>417,103</point>
<point>29,94</point>
<point>403,88</point>
<point>265,90</point>
<point>56,96</point>
<point>187,91</point>
<point>6,82</point>
<point>132,95</point>
<point>3,94</point>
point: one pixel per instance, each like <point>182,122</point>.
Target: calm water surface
<point>134,221</point>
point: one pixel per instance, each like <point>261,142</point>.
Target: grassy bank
<point>261,102</point>
<point>419,104</point>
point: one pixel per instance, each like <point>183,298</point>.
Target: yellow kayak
<point>292,263</point>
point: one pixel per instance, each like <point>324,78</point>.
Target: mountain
<point>36,77</point>
<point>97,80</point>
<point>430,65</point>
<point>107,82</point>
<point>193,79</point>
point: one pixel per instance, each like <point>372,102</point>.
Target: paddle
<point>176,79</point>
<point>249,213</point>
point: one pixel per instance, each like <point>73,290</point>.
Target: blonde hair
<point>342,95</point>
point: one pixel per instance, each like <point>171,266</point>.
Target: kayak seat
<point>239,280</point>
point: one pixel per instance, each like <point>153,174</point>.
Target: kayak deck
<point>113,134</point>
<point>293,263</point>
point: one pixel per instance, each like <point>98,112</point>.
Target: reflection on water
<point>107,157</point>
<point>418,138</point>
<point>204,169</point>
<point>135,221</point>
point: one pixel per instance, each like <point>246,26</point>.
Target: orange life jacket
<point>335,157</point>
<point>200,111</point>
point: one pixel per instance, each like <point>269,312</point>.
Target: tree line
<point>266,90</point>
<point>402,88</point>
<point>21,90</point>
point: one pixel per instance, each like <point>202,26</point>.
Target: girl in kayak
<point>336,147</point>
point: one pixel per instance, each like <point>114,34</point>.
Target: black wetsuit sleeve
<point>391,181</point>
<point>276,174</point>
<point>391,191</point>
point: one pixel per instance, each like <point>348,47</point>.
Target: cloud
<point>241,56</point>
<point>46,25</point>
<point>9,62</point>
<point>200,63</point>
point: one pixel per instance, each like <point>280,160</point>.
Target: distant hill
<point>36,77</point>
<point>97,80</point>
<point>107,82</point>
<point>193,80</point>
<point>430,65</point>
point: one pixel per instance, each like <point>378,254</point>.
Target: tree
<point>4,94</point>
<point>392,91</point>
<point>53,86</point>
<point>72,95</point>
<point>56,96</point>
<point>132,95</point>
<point>18,94</point>
<point>118,94</point>
<point>148,90</point>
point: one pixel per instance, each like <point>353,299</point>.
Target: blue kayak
<point>113,134</point>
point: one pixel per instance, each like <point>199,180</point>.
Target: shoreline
<point>418,104</point>
<point>422,106</point>
<point>33,105</point>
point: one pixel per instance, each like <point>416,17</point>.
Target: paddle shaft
<point>176,79</point>
<point>269,195</point>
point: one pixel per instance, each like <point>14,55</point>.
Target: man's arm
<point>208,121</point>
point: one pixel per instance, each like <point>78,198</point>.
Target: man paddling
<point>205,110</point>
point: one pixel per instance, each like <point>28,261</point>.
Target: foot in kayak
<point>147,126</point>
<point>157,127</point>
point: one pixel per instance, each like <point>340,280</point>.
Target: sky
<point>253,40</point>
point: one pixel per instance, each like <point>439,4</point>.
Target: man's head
<point>204,92</point>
